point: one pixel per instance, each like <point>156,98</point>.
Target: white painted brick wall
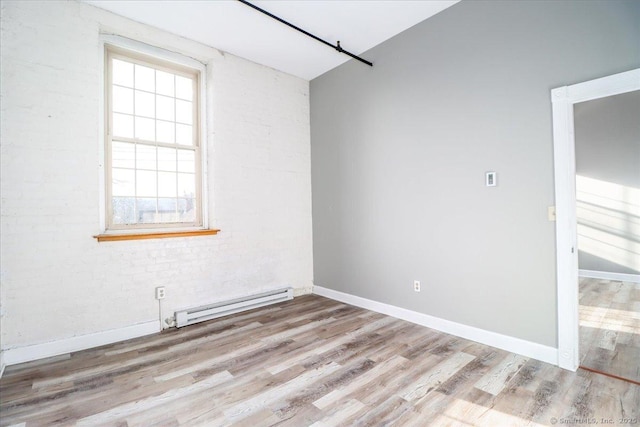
<point>57,281</point>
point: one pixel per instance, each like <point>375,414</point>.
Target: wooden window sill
<point>163,235</point>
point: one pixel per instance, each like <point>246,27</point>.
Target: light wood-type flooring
<point>610,327</point>
<point>307,362</point>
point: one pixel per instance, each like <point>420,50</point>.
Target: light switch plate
<point>490,179</point>
<point>551,213</point>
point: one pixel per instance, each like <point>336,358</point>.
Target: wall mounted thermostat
<point>490,179</point>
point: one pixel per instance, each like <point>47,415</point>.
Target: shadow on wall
<point>608,217</point>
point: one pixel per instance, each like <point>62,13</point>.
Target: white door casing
<point>563,99</point>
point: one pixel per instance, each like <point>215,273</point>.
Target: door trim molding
<point>562,99</point>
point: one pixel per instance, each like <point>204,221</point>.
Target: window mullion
<point>155,133</point>
<point>154,143</point>
<point>109,148</point>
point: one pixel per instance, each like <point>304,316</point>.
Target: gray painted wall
<point>399,153</point>
<point>608,155</point>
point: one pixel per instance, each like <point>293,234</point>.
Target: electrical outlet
<point>416,285</point>
<point>160,292</point>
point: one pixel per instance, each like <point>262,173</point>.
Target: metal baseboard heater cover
<point>212,311</point>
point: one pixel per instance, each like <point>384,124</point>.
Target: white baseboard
<point>606,275</point>
<point>13,356</point>
<point>504,342</point>
<point>2,365</point>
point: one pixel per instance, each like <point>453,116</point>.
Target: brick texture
<point>59,282</point>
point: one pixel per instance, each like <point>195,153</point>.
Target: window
<point>153,174</point>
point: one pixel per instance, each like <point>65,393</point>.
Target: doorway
<point>563,101</point>
<point>607,140</point>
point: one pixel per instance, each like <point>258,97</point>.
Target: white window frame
<point>162,55</point>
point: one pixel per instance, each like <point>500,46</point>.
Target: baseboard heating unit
<point>212,311</point>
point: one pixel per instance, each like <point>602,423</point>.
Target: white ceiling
<point>233,27</point>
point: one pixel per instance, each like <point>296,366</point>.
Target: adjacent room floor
<point>610,327</point>
<point>310,361</point>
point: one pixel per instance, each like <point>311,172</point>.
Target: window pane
<point>166,184</point>
<point>123,210</point>
<point>123,182</point>
<point>184,112</point>
<point>146,210</point>
<point>123,155</point>
<point>167,210</point>
<point>122,73</point>
<point>145,78</point>
<point>122,99</point>
<point>164,83</point>
<point>167,159</point>
<point>186,185</point>
<point>145,129</point>
<point>146,185</point>
<point>167,205</point>
<point>184,135</point>
<point>186,161</point>
<point>186,210</point>
<point>145,104</point>
<point>184,88</point>
<point>122,125</point>
<point>165,108</point>
<point>145,157</point>
<point>167,217</point>
<point>165,131</point>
